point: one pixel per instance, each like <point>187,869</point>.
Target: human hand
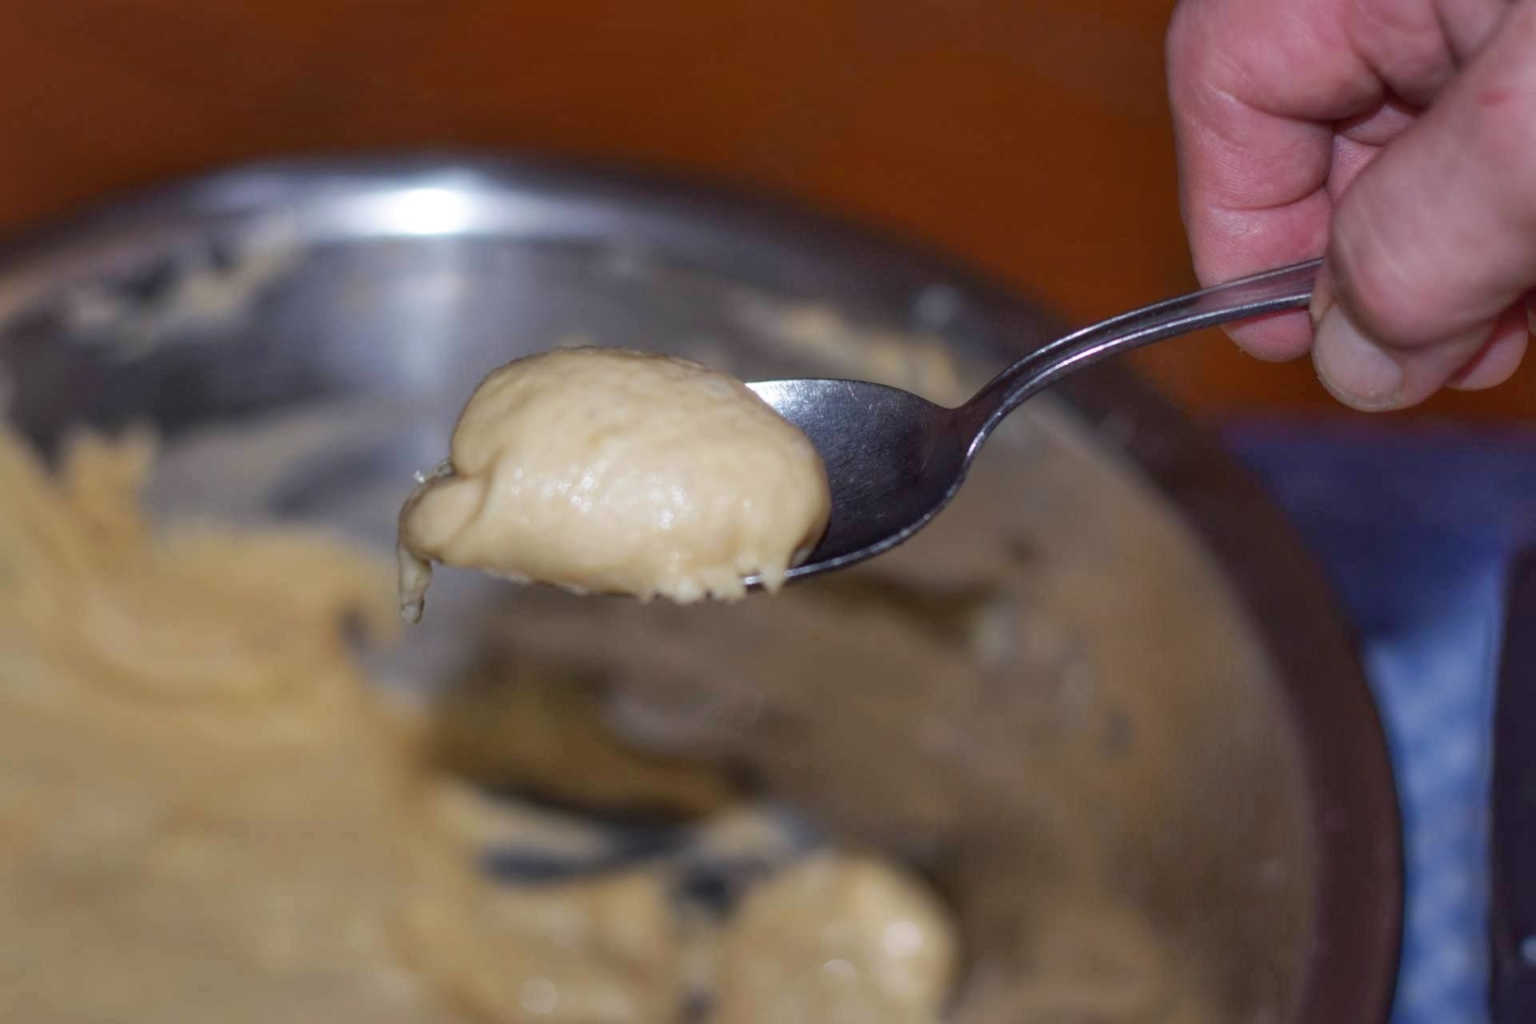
<point>1395,137</point>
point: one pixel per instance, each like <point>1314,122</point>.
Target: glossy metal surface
<point>894,460</point>
<point>356,303</point>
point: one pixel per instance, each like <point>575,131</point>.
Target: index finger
<point>1256,86</point>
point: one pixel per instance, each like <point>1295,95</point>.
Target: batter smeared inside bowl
<point>209,812</point>
<point>607,470</point>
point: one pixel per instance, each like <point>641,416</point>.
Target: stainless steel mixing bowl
<point>1163,772</point>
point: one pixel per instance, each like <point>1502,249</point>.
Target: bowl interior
<point>1050,703</point>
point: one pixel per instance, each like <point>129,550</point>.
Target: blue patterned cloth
<point>1416,530</point>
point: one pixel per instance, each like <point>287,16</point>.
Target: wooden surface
<point>1030,136</point>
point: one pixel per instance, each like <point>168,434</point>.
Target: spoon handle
<point>1273,291</point>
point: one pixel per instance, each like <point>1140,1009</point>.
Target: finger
<point>1437,237</point>
<point>1380,125</point>
<point>1254,87</point>
<point>1363,373</point>
<point>1469,24</point>
<point>1500,358</point>
<point>1415,47</point>
<point>1359,139</point>
<point>1448,34</point>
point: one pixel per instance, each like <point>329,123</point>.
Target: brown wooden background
<point>1031,136</point>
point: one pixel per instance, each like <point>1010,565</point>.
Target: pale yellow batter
<point>606,470</point>
<point>881,956</point>
<point>207,813</point>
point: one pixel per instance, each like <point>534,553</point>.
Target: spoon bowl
<point>893,462</point>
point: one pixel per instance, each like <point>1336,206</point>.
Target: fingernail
<point>1358,372</point>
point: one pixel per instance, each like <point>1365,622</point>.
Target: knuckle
<point>1404,40</point>
<point>1414,60</point>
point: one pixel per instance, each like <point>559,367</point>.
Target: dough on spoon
<point>606,470</point>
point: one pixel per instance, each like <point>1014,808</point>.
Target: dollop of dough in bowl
<point>607,470</point>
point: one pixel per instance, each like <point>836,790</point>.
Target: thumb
<point>1433,247</point>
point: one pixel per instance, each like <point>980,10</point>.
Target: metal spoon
<point>894,460</point>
